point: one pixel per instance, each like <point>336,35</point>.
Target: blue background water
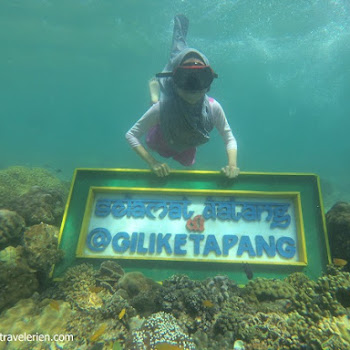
<point>73,80</point>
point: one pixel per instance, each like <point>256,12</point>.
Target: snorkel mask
<point>191,76</point>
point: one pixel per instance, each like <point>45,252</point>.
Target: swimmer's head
<point>192,75</point>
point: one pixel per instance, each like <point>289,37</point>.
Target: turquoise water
<point>74,79</point>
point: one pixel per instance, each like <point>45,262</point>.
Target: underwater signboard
<point>197,223</point>
<point>193,225</point>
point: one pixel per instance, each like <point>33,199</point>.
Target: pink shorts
<point>155,141</point>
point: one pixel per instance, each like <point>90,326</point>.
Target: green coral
<point>17,180</point>
<point>263,289</point>
<point>328,296</point>
<point>335,290</point>
<point>299,280</point>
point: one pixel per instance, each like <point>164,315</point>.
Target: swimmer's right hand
<point>160,169</point>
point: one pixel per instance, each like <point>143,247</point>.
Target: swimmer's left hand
<point>230,171</point>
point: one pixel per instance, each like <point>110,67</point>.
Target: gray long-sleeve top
<point>152,117</point>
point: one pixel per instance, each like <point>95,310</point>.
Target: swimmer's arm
<point>133,136</point>
<point>145,123</point>
<point>231,170</point>
<point>232,157</point>
<point>160,169</point>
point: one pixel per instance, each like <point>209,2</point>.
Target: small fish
<point>55,305</point>
<point>339,262</point>
<point>167,346</point>
<point>100,330</point>
<point>248,271</point>
<point>56,170</point>
<point>123,319</point>
<point>122,313</point>
<point>208,303</point>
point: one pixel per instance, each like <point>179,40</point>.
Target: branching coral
<point>77,285</point>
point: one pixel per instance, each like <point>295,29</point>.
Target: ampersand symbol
<point>196,225</point>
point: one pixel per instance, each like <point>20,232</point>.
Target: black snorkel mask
<point>191,77</point>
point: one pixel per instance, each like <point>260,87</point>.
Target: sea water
<point>74,79</point>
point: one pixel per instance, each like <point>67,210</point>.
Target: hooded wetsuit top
<point>184,125</point>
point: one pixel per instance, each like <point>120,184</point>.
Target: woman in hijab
<point>184,115</point>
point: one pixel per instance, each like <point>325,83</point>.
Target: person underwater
<point>182,115</point>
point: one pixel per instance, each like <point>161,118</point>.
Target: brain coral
<point>157,329</point>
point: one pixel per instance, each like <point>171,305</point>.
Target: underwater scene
<point>237,87</point>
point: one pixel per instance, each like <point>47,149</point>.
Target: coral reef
<point>135,282</point>
<point>140,292</point>
<point>11,228</point>
<point>327,297</point>
<point>173,294</point>
<point>315,317</point>
<point>40,205</point>
<point>263,289</point>
<point>18,180</point>
<point>335,289</point>
<point>78,287</point>
<point>101,313</point>
<point>269,295</point>
<point>109,274</point>
<point>180,294</point>
<point>32,317</point>
<point>40,243</point>
<point>159,328</point>
<point>338,225</point>
<point>219,288</point>
<point>107,308</point>
<point>17,279</point>
<point>113,306</point>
